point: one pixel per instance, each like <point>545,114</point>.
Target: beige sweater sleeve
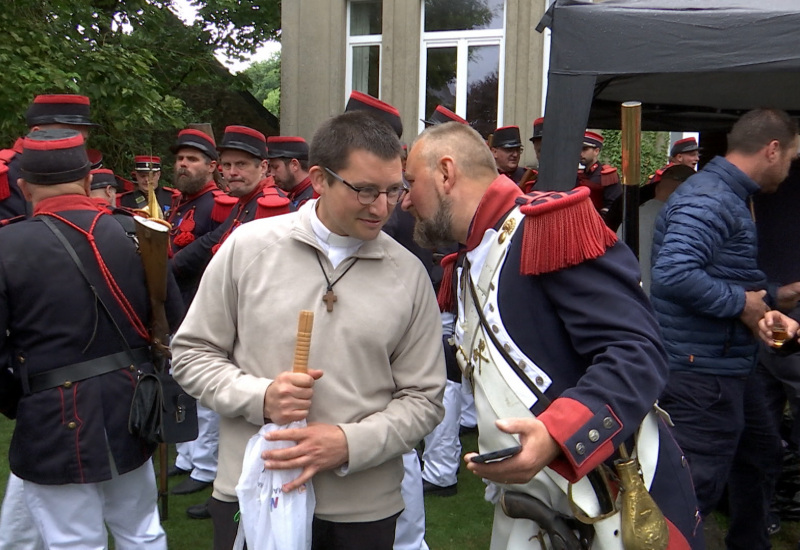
<point>204,345</point>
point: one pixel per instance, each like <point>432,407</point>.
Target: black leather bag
<point>161,412</point>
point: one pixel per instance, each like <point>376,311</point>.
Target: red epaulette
<point>608,175</point>
<point>5,189</point>
<point>127,185</point>
<point>655,178</point>
<point>273,203</point>
<point>223,204</point>
<point>119,197</point>
<point>562,229</point>
<point>5,157</point>
<point>445,297</point>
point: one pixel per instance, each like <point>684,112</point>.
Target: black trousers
<point>223,516</point>
<point>371,535</point>
<point>325,535</point>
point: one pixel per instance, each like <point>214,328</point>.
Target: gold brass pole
<point>631,172</point>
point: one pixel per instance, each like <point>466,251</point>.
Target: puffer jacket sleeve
<point>692,232</point>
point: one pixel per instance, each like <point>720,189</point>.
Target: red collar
<point>592,168</point>
<point>254,193</point>
<point>62,203</point>
<point>299,188</point>
<point>18,146</point>
<point>498,199</point>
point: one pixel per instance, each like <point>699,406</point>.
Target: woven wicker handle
<point>303,343</point>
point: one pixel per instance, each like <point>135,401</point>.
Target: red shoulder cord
<point>116,292</point>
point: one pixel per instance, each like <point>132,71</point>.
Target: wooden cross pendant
<point>329,299</point>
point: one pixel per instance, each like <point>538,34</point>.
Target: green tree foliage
<point>238,27</point>
<point>134,59</point>
<point>265,78</point>
<point>654,151</point>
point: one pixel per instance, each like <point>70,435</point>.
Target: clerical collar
<point>336,247</point>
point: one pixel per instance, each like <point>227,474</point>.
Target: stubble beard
<point>436,232</point>
<point>288,184</point>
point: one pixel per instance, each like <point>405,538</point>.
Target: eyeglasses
<point>369,194</point>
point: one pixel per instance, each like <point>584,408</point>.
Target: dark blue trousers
<point>726,431</point>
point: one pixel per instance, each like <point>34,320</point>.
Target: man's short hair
<point>677,172</point>
<point>755,129</point>
<point>304,165</point>
<point>339,136</point>
<point>460,141</point>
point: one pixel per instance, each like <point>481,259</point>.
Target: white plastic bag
<point>269,518</point>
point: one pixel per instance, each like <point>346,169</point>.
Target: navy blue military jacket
<point>49,318</point>
<point>603,183</point>
<point>190,217</point>
<point>191,261</point>
<point>591,329</point>
<point>302,192</point>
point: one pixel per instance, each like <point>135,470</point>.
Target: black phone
<point>497,456</point>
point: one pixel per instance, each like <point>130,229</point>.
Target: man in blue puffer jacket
<point>708,294</point>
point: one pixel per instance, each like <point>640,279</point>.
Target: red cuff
<point>585,438</point>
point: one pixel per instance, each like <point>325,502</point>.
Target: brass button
<point>594,435</point>
<point>21,359</point>
<point>522,364</point>
<point>580,448</point>
<point>72,425</point>
<point>491,307</point>
<point>608,423</point>
<point>132,368</point>
<point>67,384</point>
<point>683,461</point>
<point>506,347</point>
<point>495,329</point>
<point>539,380</point>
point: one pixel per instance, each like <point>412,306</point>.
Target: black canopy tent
<point>695,66</point>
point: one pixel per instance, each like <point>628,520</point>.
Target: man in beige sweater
<point>376,371</point>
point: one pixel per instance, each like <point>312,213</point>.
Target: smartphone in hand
<point>497,456</point>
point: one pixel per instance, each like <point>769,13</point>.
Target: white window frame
<point>362,40</point>
<point>462,41</point>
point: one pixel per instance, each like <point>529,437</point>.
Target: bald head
<point>463,144</point>
<point>449,169</point>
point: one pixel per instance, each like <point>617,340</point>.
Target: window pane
<point>366,18</point>
<point>366,69</point>
<point>440,79</point>
<point>483,88</point>
<point>463,15</point>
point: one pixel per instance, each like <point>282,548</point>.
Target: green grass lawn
<point>460,522</point>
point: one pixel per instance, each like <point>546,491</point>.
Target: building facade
<point>482,59</point>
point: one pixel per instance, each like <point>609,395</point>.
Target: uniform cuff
<point>585,438</point>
